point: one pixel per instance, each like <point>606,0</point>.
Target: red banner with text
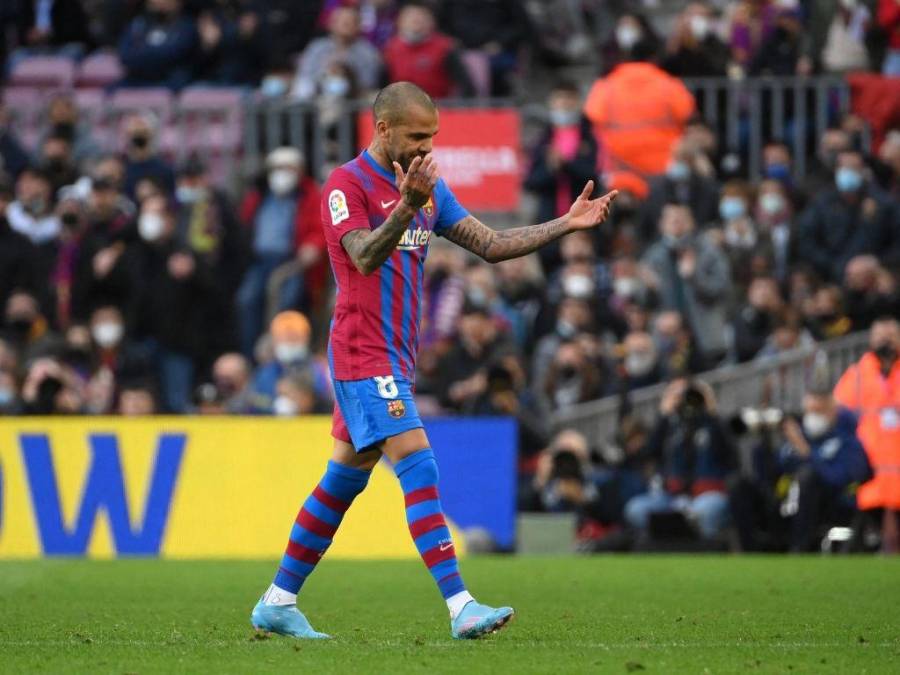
<point>478,154</point>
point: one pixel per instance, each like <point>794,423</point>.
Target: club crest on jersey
<point>429,207</point>
<point>413,239</point>
<point>337,204</point>
<point>396,408</point>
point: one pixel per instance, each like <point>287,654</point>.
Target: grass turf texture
<point>575,614</point>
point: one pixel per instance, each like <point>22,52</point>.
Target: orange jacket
<point>876,401</point>
<point>639,112</point>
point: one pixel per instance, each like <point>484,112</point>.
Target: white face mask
<point>151,226</point>
<point>284,407</point>
<point>626,287</point>
<point>108,334</point>
<point>627,36</point>
<point>816,425</point>
<point>639,364</point>
<point>335,86</point>
<point>282,181</point>
<point>699,26</point>
<point>771,203</point>
<point>578,286</point>
<point>288,352</point>
<point>189,195</point>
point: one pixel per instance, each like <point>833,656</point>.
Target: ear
<point>381,128</point>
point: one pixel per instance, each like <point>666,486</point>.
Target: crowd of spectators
<point>129,285</point>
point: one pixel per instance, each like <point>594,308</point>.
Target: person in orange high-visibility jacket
<point>638,111</point>
<point>871,388</point>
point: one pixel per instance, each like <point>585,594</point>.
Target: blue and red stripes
<point>318,520</point>
<point>418,476</point>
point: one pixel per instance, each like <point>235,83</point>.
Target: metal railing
<point>779,382</point>
<point>744,113</point>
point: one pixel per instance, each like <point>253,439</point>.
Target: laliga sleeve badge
<point>396,408</point>
<point>337,204</point>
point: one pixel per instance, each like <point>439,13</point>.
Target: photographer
<point>693,455</point>
<point>824,458</point>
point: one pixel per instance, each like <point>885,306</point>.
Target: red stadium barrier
<point>479,155</point>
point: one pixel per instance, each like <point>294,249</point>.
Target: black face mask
<point>20,326</point>
<point>567,372</point>
<point>69,220</point>
<point>886,352</point>
<point>140,141</point>
<point>64,130</point>
<point>56,165</point>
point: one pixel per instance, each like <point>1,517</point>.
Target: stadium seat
<point>211,118</point>
<point>43,71</point>
<point>157,100</point>
<point>22,97</point>
<point>100,69</point>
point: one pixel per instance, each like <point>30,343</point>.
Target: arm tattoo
<point>368,249</point>
<point>496,245</point>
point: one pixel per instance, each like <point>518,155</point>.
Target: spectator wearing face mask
<point>694,279</point>
<point>572,378</point>
<point>207,223</point>
<point>113,349</point>
<point>291,339</point>
<point>677,353</point>
<point>31,214</point>
<point>25,329</point>
<point>159,47</point>
<point>574,315</point>
<point>420,54</point>
<point>231,376</point>
<point>826,313</point>
<point>748,249</point>
<point>871,389</point>
<point>756,319</point>
<point>63,122</point>
<point>870,291</point>
<point>562,161</point>
<point>141,158</point>
<point>288,264</point>
<point>825,458</point>
<point>232,43</point>
<point>680,183</point>
<point>640,363</point>
<point>694,50</point>
<point>343,43</point>
<point>775,217</point>
<point>788,333</point>
<point>297,397</point>
<point>851,218</point>
<point>174,285</point>
<point>779,51</point>
<point>638,133</point>
<point>820,175</point>
<point>16,252</point>
<point>57,162</point>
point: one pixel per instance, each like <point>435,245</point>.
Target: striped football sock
<point>418,476</point>
<point>316,524</point>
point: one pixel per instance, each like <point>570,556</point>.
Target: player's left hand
<point>586,212</point>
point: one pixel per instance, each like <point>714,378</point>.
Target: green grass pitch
<point>657,614</point>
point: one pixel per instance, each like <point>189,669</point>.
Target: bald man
<point>379,212</point>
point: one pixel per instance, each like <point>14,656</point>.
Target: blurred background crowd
<point>134,284</point>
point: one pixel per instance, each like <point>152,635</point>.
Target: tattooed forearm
<point>368,249</point>
<point>496,245</point>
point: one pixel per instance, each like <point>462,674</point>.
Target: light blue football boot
<point>476,620</point>
<point>284,620</point>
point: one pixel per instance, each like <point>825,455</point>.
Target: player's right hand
<point>417,184</point>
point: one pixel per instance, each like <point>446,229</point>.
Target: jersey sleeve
<point>343,205</point>
<point>449,211</point>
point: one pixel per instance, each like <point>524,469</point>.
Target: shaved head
<point>396,99</point>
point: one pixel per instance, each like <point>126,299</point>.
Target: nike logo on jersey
<point>385,205</point>
<point>444,547</point>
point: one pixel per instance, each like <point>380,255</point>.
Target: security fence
<point>234,129</point>
<point>778,382</point>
